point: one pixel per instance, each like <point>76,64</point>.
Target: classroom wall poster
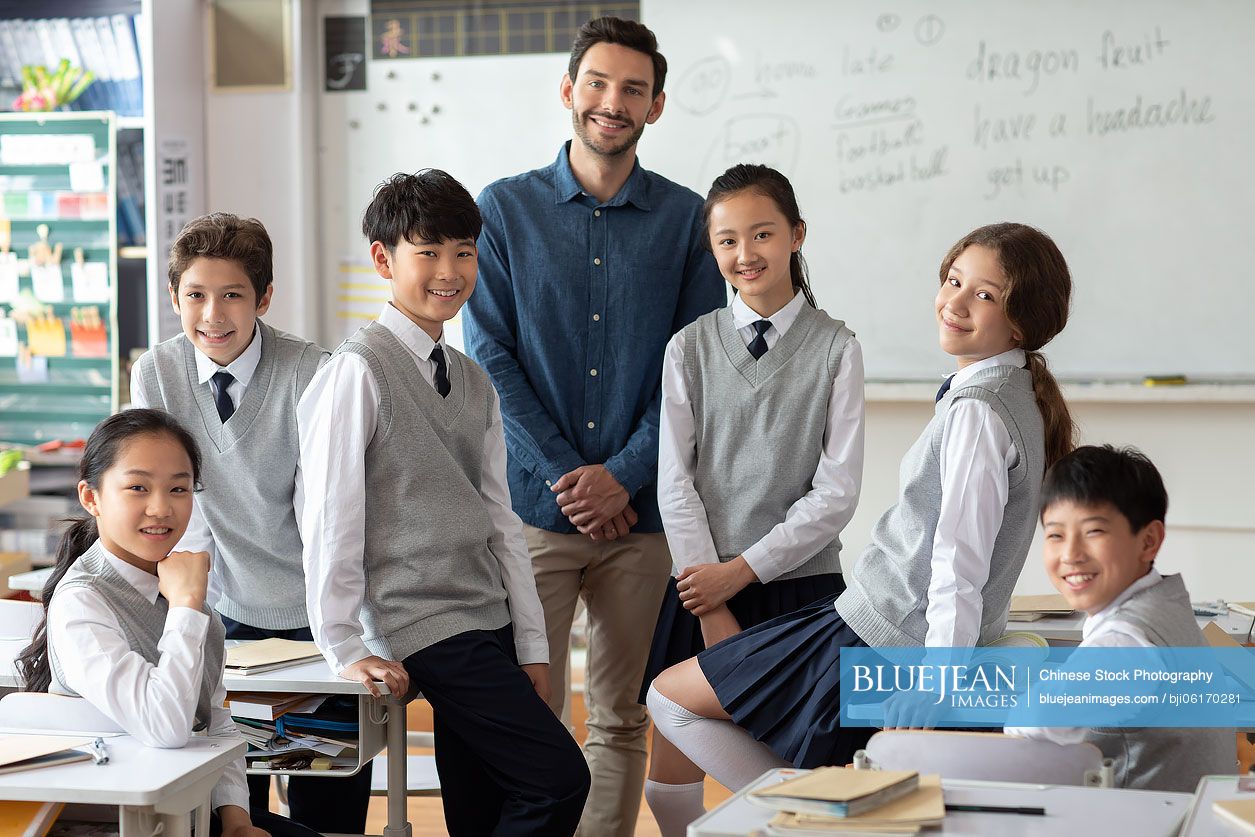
<point>174,203</point>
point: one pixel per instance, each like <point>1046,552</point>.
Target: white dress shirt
<point>815,518</point>
<point>336,419</point>
<point>1102,630</point>
<point>154,703</point>
<point>198,538</point>
<point>976,456</point>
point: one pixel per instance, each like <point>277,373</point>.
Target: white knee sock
<point>674,806</point>
<point>721,748</point>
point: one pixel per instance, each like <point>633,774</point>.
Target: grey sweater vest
<point>142,624</point>
<point>430,573</point>
<point>248,470</point>
<point>760,425</point>
<point>1165,758</point>
<point>886,598</point>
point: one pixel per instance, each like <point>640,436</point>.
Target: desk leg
<point>143,821</point>
<point>398,817</point>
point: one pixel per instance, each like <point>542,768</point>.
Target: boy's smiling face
<point>218,307</point>
<point>1092,553</point>
<point>431,281</point>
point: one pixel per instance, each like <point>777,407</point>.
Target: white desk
<point>315,677</point>
<point>1201,821</point>
<point>154,789</point>
<point>32,582</point>
<point>1070,811</point>
<point>1066,630</point>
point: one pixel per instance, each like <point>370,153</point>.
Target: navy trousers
<point>330,805</point>
<point>507,765</point>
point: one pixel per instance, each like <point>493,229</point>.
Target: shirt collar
<point>743,315</point>
<point>143,581</point>
<point>1147,581</point>
<point>415,339</point>
<point>566,188</point>
<point>1014,357</point>
<point>242,368</point>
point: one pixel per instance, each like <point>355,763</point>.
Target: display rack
<point>58,340</point>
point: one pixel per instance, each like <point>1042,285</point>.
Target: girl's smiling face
<point>753,243</point>
<point>971,319</point>
<point>143,503</point>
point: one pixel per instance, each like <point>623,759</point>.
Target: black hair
<point>771,184</point>
<point>429,205</point>
<point>103,448</point>
<point>625,33</point>
<point>1123,477</point>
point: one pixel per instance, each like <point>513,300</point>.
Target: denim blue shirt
<point>575,304</point>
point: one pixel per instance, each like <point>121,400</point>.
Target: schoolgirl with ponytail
<point>760,450</point>
<point>941,563</point>
<point>125,623</point>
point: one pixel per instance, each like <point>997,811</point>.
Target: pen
<point>997,809</point>
<point>100,753</point>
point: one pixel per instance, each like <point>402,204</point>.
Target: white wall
<point>261,162</point>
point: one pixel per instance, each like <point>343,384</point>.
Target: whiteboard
<point>1122,129</point>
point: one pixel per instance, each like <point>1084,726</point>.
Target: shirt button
<point>596,261</point>
<point>548,483</point>
<point>593,372</point>
<point>596,213</point>
<point>591,425</point>
<point>596,317</point>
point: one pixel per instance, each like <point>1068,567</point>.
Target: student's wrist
<point>745,575</point>
<point>191,602</point>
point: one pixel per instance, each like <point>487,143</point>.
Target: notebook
<point>267,706</point>
<point>837,791</point>
<point>268,654</point>
<point>26,752</point>
<point>925,806</point>
<point>1052,604</point>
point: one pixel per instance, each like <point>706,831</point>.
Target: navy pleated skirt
<point>678,633</point>
<point>781,682</point>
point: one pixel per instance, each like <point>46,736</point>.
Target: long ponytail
<point>1036,303</point>
<point>104,446</point>
<point>33,665</point>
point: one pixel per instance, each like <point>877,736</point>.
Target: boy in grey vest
<point>418,573</point>
<point>234,383</point>
<point>1103,515</point>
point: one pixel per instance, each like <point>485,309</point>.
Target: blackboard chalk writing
<point>1059,125</point>
<point>888,22</point>
<point>1026,67</point>
<point>929,29</point>
<point>852,112</point>
<point>703,86</point>
<point>932,167</point>
<point>918,167</point>
<point>1182,109</point>
<point>767,72</point>
<point>871,63</point>
<point>1001,129</point>
<point>768,138</point>
<point>1114,55</point>
<point>855,145</point>
<point>1049,175</point>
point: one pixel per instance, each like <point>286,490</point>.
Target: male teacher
<point>586,269</point>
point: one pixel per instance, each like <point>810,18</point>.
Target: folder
<point>1052,604</point>
<point>27,752</point>
<point>905,815</point>
<point>28,819</point>
<point>837,792</point>
<point>268,654</point>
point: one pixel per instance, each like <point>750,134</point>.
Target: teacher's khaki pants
<point>622,583</point>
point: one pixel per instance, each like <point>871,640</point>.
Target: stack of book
<point>268,655</point>
<point>287,731</point>
<point>1032,608</point>
<point>838,800</point>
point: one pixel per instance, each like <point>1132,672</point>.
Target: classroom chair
<point>987,756</point>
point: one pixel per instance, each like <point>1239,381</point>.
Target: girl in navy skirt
<point>760,450</point>
<point>941,563</point>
